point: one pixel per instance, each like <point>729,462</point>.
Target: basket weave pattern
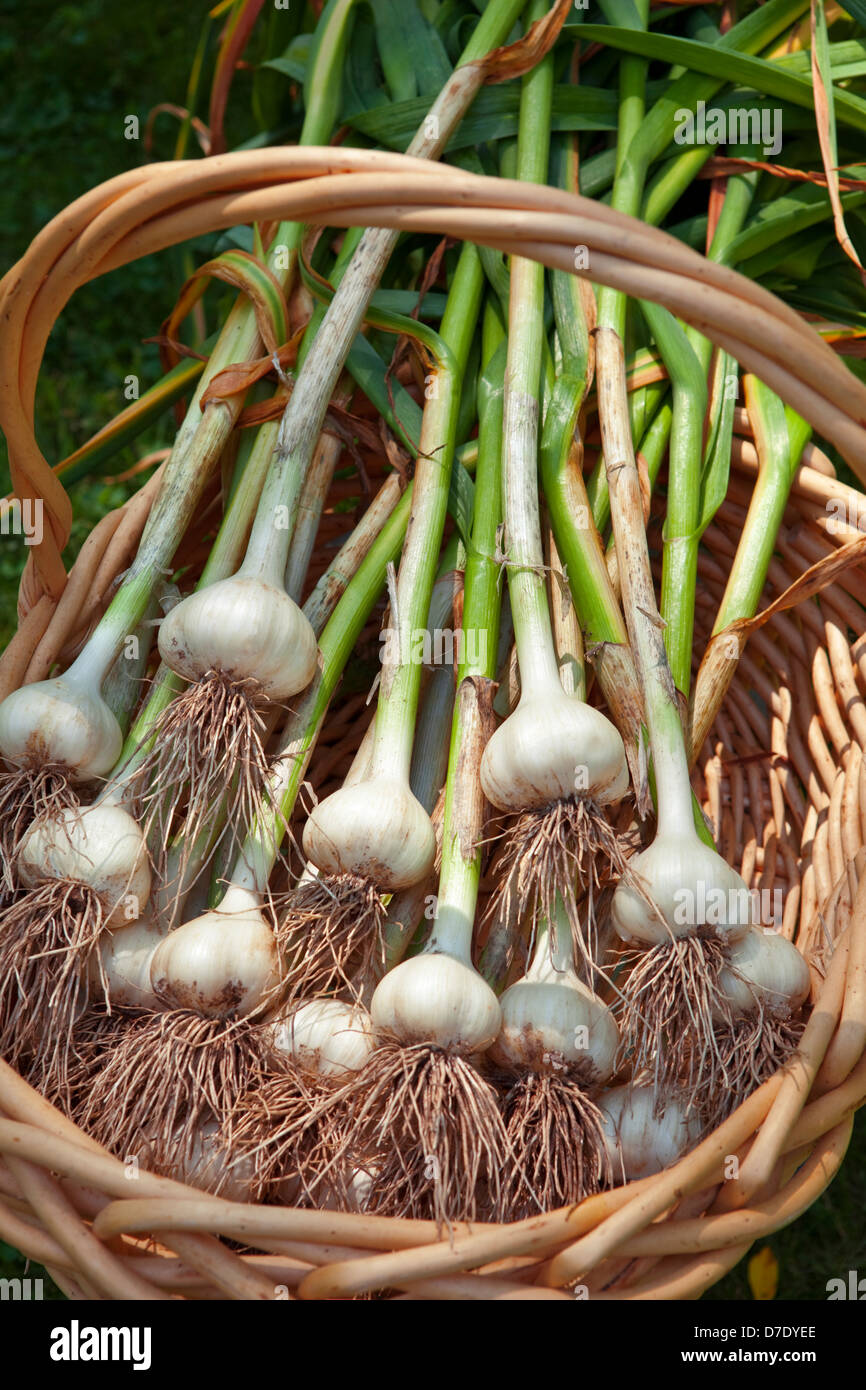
<point>782,780</point>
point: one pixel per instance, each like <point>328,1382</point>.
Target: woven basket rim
<point>803,1111</point>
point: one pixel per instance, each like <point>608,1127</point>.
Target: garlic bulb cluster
<point>640,1142</point>
<point>246,628</point>
<point>326,1037</point>
<point>376,830</point>
<point>64,720</point>
<point>222,963</point>
<point>125,960</point>
<point>764,967</point>
<point>550,1019</point>
<point>553,746</point>
<point>677,886</point>
<point>100,845</point>
<point>438,997</point>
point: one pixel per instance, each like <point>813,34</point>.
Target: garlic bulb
<point>550,1018</point>
<point>640,1143</point>
<point>765,966</point>
<point>439,998</point>
<point>688,884</point>
<point>65,721</point>
<point>374,829</point>
<point>222,963</point>
<point>209,1167</point>
<point>552,747</point>
<point>100,845</point>
<point>245,628</point>
<point>125,958</point>
<point>326,1037</point>
<point>354,1197</point>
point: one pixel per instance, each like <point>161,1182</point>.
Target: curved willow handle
<point>138,214</point>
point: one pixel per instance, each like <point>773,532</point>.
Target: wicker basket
<point>782,779</point>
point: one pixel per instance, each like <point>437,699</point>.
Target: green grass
<point>76,71</point>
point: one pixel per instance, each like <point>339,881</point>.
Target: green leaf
<point>244,272</point>
<point>323,83</point>
<point>293,63</point>
<point>596,173</point>
<point>362,88</point>
<point>822,53</point>
<point>413,55</point>
<point>770,410</point>
<point>622,12</point>
<point>796,256</point>
<point>653,140</point>
<point>739,68</point>
<point>802,207</point>
<point>830,304</point>
<point>849,54</point>
<point>491,382</point>
<point>856,9</point>
<point>717,456</point>
<point>493,116</point>
<point>461,501</point>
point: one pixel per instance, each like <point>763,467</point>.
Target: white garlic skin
<point>247,629</point>
<point>553,1018</point>
<point>210,1167</point>
<point>326,1037</point>
<point>437,998</point>
<point>222,963</point>
<point>681,876</point>
<point>550,748</point>
<point>639,1144</point>
<point>377,830</point>
<point>773,970</point>
<point>100,845</point>
<point>126,955</point>
<point>328,1198</point>
<point>61,721</point>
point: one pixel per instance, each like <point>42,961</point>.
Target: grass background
<point>73,73</point>
<point>87,67</point>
